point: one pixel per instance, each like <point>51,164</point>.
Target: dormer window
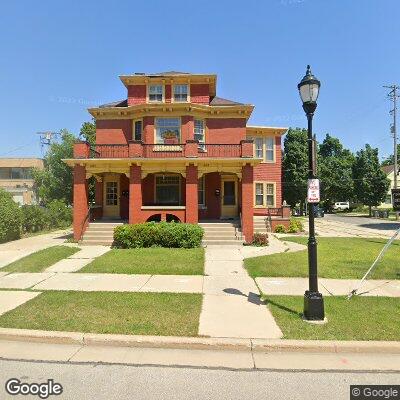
<point>156,93</point>
<point>180,93</point>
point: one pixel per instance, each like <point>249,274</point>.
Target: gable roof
<point>219,101</point>
<point>387,169</point>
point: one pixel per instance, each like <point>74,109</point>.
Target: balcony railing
<point>220,150</point>
<point>190,149</point>
<point>111,151</point>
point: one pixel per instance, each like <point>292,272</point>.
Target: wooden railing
<point>220,150</point>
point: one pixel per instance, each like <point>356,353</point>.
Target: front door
<point>111,207</point>
<point>229,198</point>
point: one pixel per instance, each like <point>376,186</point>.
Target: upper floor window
<point>138,128</point>
<point>156,93</point>
<point>264,148</point>
<point>180,93</point>
<point>199,133</point>
<point>15,173</point>
<point>168,130</point>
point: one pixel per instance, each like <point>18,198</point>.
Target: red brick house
<point>173,150</point>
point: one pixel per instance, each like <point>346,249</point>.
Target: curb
<point>200,343</point>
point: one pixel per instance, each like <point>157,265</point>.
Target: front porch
<point>168,190</point>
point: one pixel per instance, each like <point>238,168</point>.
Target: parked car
<point>341,206</point>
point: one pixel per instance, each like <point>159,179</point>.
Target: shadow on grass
<point>284,308</point>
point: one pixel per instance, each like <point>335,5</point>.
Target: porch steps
<point>222,233</point>
<point>100,233</point>
<point>261,224</point>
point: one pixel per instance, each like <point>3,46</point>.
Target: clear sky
<point>60,57</point>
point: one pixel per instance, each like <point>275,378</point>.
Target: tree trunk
<point>370,210</point>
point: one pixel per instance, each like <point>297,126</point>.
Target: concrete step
<point>219,237</point>
<point>104,237</point>
<point>95,242</point>
<point>223,242</point>
<point>101,228</point>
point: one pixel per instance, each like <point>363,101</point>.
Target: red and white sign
<point>313,191</point>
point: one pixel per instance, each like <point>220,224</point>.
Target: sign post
<point>313,191</point>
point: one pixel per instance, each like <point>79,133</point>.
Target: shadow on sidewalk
<point>253,298</point>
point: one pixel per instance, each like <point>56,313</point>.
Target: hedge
<point>10,218</point>
<point>158,234</point>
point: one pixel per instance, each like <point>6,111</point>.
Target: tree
<point>390,159</point>
<point>295,167</point>
<point>370,182</point>
<point>54,182</point>
<point>335,171</point>
<point>10,218</point>
<point>88,132</point>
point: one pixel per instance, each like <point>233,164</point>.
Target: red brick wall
<point>136,94</point>
<point>200,93</point>
<point>271,172</point>
<point>148,190</point>
<point>80,201</point>
<point>229,130</point>
<point>247,195</point>
<point>168,93</point>
<point>117,131</point>
<point>187,128</point>
<point>148,130</point>
<point>191,199</point>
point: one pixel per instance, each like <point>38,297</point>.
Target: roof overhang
<point>265,130</point>
<point>172,109</point>
<point>210,79</point>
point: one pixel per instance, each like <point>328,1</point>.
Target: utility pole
<point>393,97</point>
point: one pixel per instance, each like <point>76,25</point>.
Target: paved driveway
<point>348,226</point>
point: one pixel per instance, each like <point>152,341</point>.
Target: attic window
<point>156,93</point>
<point>180,93</point>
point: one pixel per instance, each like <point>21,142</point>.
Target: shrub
<point>59,214</point>
<point>160,234</point>
<point>34,218</point>
<point>260,239</point>
<point>280,229</point>
<point>10,218</point>
<point>295,226</point>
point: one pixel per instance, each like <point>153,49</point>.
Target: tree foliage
<point>370,182</point>
<point>88,132</point>
<point>390,159</point>
<point>335,171</point>
<point>295,166</point>
<point>54,182</point>
<point>10,218</point>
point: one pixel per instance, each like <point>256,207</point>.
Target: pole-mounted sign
<point>313,191</point>
<point>396,199</point>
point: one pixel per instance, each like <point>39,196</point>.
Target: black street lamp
<point>313,300</point>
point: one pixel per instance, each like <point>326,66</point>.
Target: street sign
<point>313,191</point>
<point>396,199</point>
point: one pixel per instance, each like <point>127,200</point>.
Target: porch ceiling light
<point>309,90</point>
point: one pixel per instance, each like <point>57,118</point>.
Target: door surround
<point>229,205</point>
<point>111,195</point>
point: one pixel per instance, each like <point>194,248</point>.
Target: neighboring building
<point>389,171</point>
<point>16,178</point>
<point>173,150</point>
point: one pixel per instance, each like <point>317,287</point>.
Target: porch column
<point>80,201</point>
<point>192,206</point>
<point>135,194</point>
<point>247,202</point>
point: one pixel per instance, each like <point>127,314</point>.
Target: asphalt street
<point>364,222</point>
<point>94,381</point>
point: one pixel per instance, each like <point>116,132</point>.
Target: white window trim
<point>203,148</point>
<point>155,128</point>
<point>264,205</point>
<point>173,93</point>
<point>264,148</point>
<point>148,93</point>
<point>133,128</point>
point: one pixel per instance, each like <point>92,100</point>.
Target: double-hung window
<point>180,93</point>
<point>199,133</point>
<point>264,148</point>
<point>167,189</point>
<point>156,93</point>
<point>201,192</point>
<point>264,194</point>
<point>168,130</point>
<point>138,127</point>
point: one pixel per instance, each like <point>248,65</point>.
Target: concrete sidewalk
<point>337,287</point>
<point>12,251</point>
<point>231,302</point>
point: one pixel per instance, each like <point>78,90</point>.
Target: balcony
<point>190,149</point>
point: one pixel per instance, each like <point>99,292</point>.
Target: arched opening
<point>172,218</point>
<point>154,218</point>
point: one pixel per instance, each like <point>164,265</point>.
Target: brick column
<point>135,194</point>
<point>247,148</point>
<point>192,206</point>
<point>192,148</point>
<point>80,200</point>
<point>247,202</point>
<point>135,148</point>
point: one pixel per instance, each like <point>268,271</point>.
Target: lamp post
<point>313,300</point>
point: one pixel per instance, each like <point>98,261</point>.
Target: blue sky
<point>59,58</point>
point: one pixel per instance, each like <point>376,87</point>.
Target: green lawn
<point>42,259</point>
<point>342,258</point>
<point>160,261</point>
<point>109,312</point>
<point>360,318</point>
